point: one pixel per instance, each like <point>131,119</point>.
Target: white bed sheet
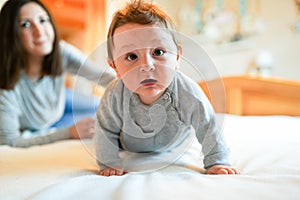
<point>265,149</point>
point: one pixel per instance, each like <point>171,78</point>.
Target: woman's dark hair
<point>13,56</point>
<point>139,12</point>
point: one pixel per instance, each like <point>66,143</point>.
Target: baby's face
<point>145,58</point>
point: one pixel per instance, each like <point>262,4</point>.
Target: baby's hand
<point>222,169</point>
<point>116,171</point>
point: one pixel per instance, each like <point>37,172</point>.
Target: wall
<point>2,2</point>
<point>276,37</point>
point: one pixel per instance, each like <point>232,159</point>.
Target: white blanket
<point>265,149</point>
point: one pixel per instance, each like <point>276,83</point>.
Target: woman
<point>33,64</point>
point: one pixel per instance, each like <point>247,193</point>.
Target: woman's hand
<point>222,169</point>
<point>83,129</point>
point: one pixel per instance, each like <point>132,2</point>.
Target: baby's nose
<point>147,64</point>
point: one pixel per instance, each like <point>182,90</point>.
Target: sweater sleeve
<point>201,115</point>
<point>10,133</point>
<point>108,127</point>
<point>76,62</point>
<point>209,135</point>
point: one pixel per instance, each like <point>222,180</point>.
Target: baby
<point>152,107</point>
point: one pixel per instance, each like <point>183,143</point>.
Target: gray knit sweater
<point>27,111</point>
<point>123,122</point>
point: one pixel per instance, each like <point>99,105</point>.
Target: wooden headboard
<point>252,95</point>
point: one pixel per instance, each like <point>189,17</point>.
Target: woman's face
<point>36,31</point>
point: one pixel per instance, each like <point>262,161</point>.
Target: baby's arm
<point>112,171</point>
<point>222,169</point>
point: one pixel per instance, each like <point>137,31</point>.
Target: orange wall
<point>80,22</point>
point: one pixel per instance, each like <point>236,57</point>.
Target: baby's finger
<point>112,172</point>
<point>222,171</point>
<point>235,171</point>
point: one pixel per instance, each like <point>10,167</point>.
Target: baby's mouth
<point>148,82</point>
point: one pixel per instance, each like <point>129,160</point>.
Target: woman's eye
<point>131,56</point>
<point>25,24</point>
<point>44,20</point>
<point>158,52</point>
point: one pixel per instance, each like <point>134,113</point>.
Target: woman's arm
<point>75,62</point>
<point>11,135</point>
<point>12,116</point>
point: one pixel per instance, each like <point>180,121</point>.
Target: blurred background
<point>259,37</point>
<point>244,36</point>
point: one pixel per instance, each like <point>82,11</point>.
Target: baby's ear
<point>179,53</point>
<point>112,65</point>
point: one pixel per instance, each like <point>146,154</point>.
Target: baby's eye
<point>131,56</point>
<point>158,52</point>
<point>25,24</point>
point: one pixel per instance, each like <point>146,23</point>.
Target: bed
<point>261,124</point>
